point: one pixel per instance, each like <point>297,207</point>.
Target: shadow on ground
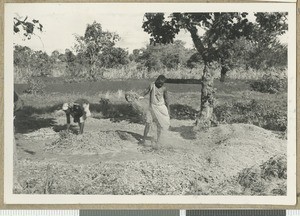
<point>117,112</point>
<point>184,81</point>
<point>27,124</point>
<point>73,128</point>
<point>128,135</point>
<point>185,132</point>
<point>125,111</point>
<point>28,119</point>
<point>30,110</point>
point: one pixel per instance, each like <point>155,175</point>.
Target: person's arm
<point>86,109</point>
<point>166,98</point>
<point>145,92</point>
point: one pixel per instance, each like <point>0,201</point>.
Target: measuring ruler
<point>150,212</point>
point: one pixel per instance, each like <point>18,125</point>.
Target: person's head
<point>65,106</point>
<point>161,79</point>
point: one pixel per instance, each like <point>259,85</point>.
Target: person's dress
<point>158,107</point>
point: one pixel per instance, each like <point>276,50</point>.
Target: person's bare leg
<point>146,131</point>
<point>81,127</point>
<point>159,131</point>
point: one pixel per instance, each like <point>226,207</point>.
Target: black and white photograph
<point>150,103</point>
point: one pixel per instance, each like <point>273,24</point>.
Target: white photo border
<point>289,199</point>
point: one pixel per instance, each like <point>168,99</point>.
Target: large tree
<point>114,57</point>
<point>94,44</point>
<point>29,63</point>
<point>217,28</point>
<point>268,50</point>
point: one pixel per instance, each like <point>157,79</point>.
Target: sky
<point>62,21</point>
<point>60,25</point>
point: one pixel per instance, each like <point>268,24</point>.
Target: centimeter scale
<point>149,212</point>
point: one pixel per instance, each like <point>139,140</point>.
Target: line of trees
<point>230,41</point>
<point>244,55</point>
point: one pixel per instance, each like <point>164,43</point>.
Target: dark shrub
<point>275,167</point>
<point>262,114</point>
<point>35,86</point>
<point>271,83</point>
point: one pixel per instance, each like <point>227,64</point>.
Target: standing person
<point>159,110</point>
<point>79,110</point>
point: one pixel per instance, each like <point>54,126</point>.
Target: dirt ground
<point>109,159</point>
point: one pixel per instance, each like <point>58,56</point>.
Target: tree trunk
<point>224,70</point>
<point>205,117</point>
<point>198,43</point>
<point>93,72</point>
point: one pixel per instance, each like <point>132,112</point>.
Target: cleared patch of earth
<point>109,159</point>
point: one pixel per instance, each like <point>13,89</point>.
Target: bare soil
<point>109,159</point>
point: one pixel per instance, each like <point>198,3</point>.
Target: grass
<point>99,87</point>
<point>262,114</point>
<point>236,103</point>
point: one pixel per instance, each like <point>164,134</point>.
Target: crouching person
<point>79,110</point>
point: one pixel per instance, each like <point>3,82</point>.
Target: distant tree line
<point>95,52</point>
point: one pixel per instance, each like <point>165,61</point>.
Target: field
<point>245,154</point>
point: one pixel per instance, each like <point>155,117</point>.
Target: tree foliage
<point>27,27</point>
<point>221,31</point>
<point>269,26</point>
<point>114,57</point>
<point>94,52</point>
<point>194,60</point>
<point>158,57</point>
<point>96,49</point>
<point>217,26</point>
<point>33,63</point>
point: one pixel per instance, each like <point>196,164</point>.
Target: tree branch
<point>198,42</point>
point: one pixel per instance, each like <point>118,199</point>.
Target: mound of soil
<point>238,146</point>
<point>42,134</point>
<point>108,159</point>
<point>88,143</point>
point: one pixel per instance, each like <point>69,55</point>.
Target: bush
<point>262,114</point>
<point>248,176</point>
<point>268,178</point>
<point>275,167</point>
<point>35,86</point>
<point>271,83</point>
